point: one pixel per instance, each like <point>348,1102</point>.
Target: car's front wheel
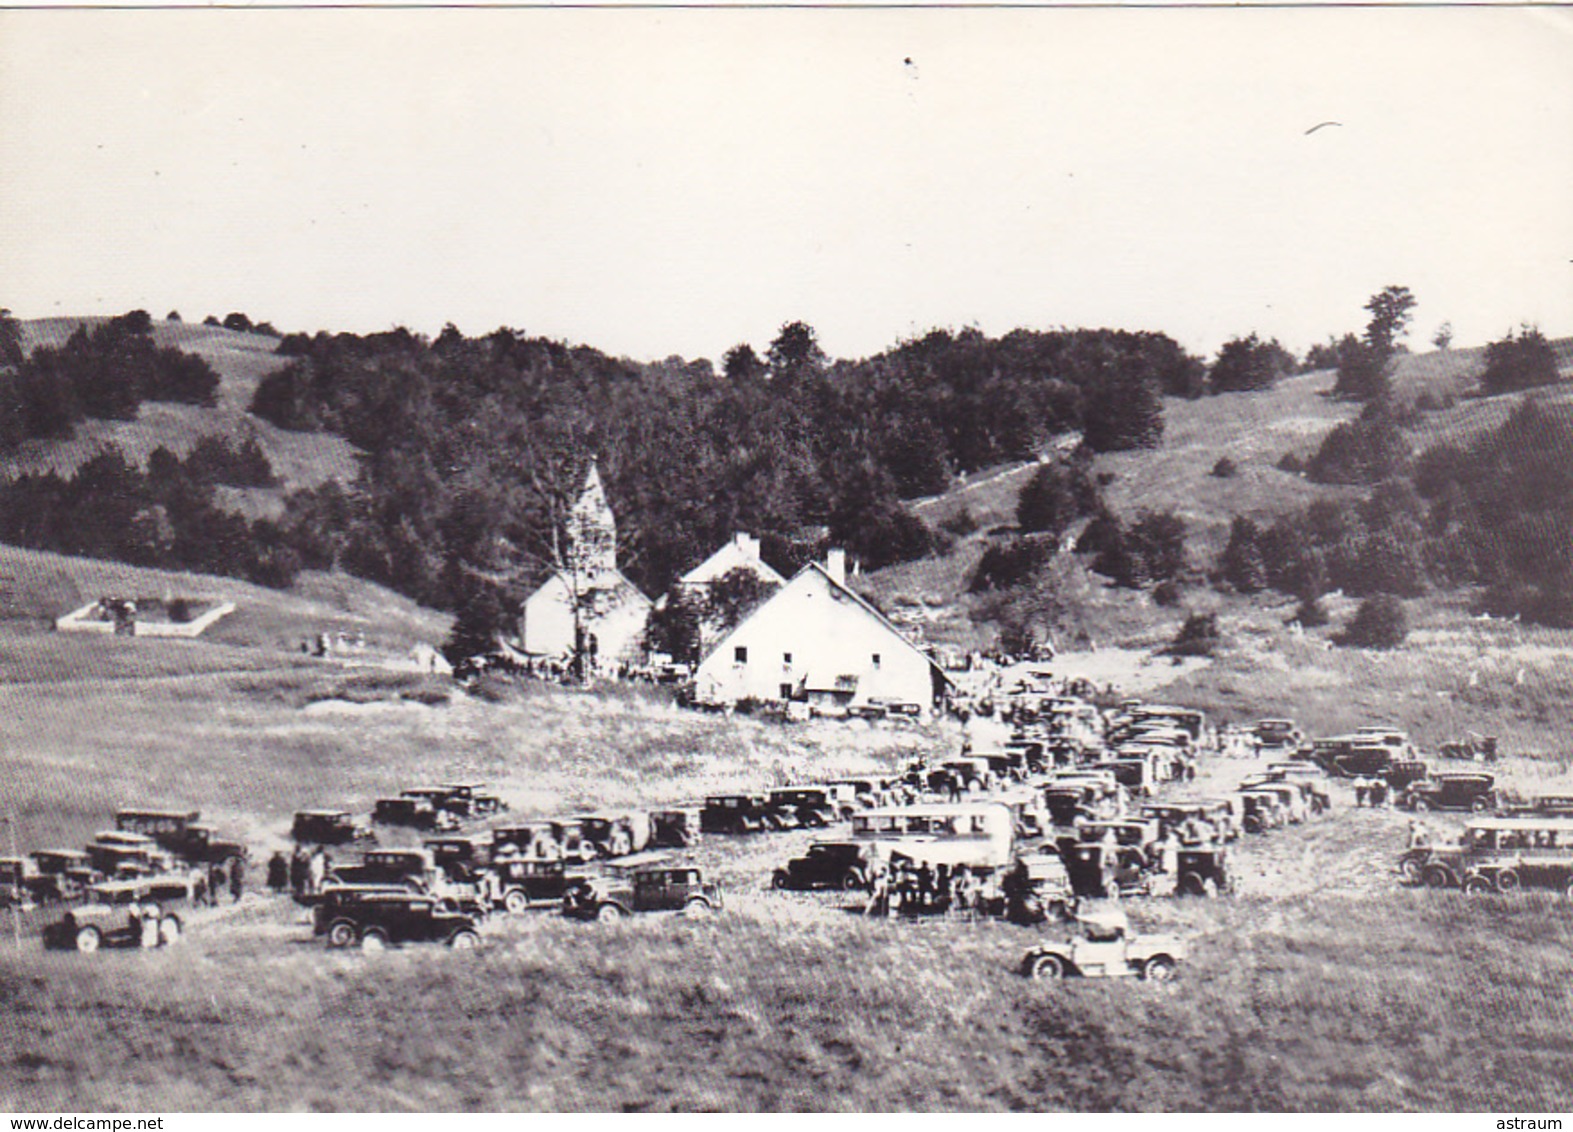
<point>1045,966</point>
<point>1158,969</point>
<point>88,939</point>
<point>1419,805</point>
<point>854,880</point>
<point>609,913</point>
<point>515,902</point>
<point>342,933</point>
<point>1438,877</point>
<point>1480,805</point>
<point>1411,872</point>
<point>780,881</point>
<point>374,939</point>
<point>1192,884</point>
<point>464,940</point>
<point>1476,886</point>
<point>698,909</point>
<point>1507,880</point>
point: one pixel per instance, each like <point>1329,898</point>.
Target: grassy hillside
<point>299,460</point>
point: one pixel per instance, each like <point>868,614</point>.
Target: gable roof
<point>730,557</point>
<point>857,599</point>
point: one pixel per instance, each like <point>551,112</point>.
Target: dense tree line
<point>1496,512</point>
<point>105,373</point>
<point>163,516</point>
<point>472,443</point>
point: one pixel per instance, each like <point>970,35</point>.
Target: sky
<point>656,182</point>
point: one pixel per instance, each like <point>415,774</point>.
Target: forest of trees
<point>105,373</point>
<point>471,443</point>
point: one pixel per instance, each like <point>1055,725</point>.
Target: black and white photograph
<point>786,559</point>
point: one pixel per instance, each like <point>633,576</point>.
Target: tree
<point>1054,498</point>
<point>795,353</point>
<point>1241,563</point>
<point>1247,364</point>
<point>1443,338</point>
<point>1391,309</point>
<point>172,316</point>
<point>484,615</point>
<point>740,363</point>
<point>674,627</point>
<point>1362,364</point>
<point>1520,361</point>
<point>733,596</point>
<point>1379,623</point>
<point>1199,636</point>
<point>10,341</point>
<point>1123,412</point>
<point>236,320</point>
<point>1363,451</point>
<point>1225,469</point>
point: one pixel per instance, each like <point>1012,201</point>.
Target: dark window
<point>740,654</point>
<point>786,658</point>
<point>876,660</point>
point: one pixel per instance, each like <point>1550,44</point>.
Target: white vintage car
<point>1106,949</point>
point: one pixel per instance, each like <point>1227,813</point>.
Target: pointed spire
<point>592,529</point>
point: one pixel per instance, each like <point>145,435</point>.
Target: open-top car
<point>827,864</point>
<point>1106,949</point>
<point>329,827</point>
<point>375,920</point>
<point>617,895</point>
<point>123,913</point>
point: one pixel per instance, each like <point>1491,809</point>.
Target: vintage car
<point>1037,887</point>
<point>733,813</point>
<point>1106,949</point>
<point>1191,821</point>
<point>612,897</point>
<point>827,864</point>
<point>1276,734</point>
<point>801,807</point>
<point>329,827</point>
<point>115,853</point>
<point>17,882</point>
<point>126,913</point>
<point>1264,810</point>
<point>1294,797</point>
<point>572,842</point>
<point>1138,840</point>
<point>1499,854</point>
<point>413,812</point>
<point>1094,875</point>
<point>1464,791</point>
<point>62,874</point>
<point>470,799</point>
<point>1202,870</point>
<point>673,829</point>
<point>518,883</point>
<point>461,859</point>
<point>182,833</point>
<point>376,919</point>
<point>532,839</point>
<point>616,835</point>
<point>413,869</point>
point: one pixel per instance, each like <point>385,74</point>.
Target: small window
<point>740,654</point>
<point>876,660</point>
<point>786,658</point>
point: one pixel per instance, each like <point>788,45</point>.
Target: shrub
<point>961,524</point>
<point>1199,636</point>
<point>172,316</point>
<point>1362,451</point>
<point>1241,562</point>
<point>1246,364</point>
<point>211,320</point>
<point>1290,463</point>
<point>1055,497</point>
<point>1167,593</point>
<point>1225,468</point>
<point>1519,362</point>
<point>1310,613</point>
<point>1379,623</point>
<point>1010,564</point>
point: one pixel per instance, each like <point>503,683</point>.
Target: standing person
<point>278,872</point>
<point>215,882</point>
<point>316,870</point>
<point>199,887</point>
<point>1378,793</point>
<point>237,880</point>
<point>1171,854</point>
<point>1361,789</point>
<point>298,870</point>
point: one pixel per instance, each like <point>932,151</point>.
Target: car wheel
<point>780,881</point>
<point>1476,886</point>
<point>374,939</point>
<point>1411,872</point>
<point>342,933</point>
<point>609,913</point>
<point>1158,969</point>
<point>1045,966</point>
<point>88,939</point>
<point>1419,805</point>
<point>147,934</point>
<point>464,940</point>
<point>853,881</point>
<point>698,909</point>
<point>169,931</point>
<point>1480,805</point>
<point>1507,880</point>
<point>1192,884</point>
<point>515,902</point>
<point>1438,877</point>
<point>1254,824</point>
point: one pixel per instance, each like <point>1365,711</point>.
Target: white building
<point>817,640</point>
<point>612,612</point>
<point>742,553</point>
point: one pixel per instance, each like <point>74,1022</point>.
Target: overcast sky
<point>658,182</point>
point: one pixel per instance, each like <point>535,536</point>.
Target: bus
<point>975,834</point>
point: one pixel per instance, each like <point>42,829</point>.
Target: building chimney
<point>747,544</point>
<point>836,565</point>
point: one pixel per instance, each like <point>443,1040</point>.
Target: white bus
<point>977,834</point>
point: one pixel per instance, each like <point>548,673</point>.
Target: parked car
<point>532,839</point>
<point>612,897</point>
<point>733,813</point>
<point>115,914</point>
<point>1037,887</point>
<point>63,874</point>
<point>1093,875</point>
<point>182,833</point>
<point>673,829</point>
<point>413,869</point>
<point>1263,810</point>
<point>460,859</point>
<point>1500,854</point>
<point>376,919</point>
<point>1276,734</point>
<point>413,812</point>
<point>330,827</point>
<point>519,883</point>
<point>572,843</point>
<point>827,864</point>
<point>471,799</point>
<point>1106,949</point>
<point>1465,791</point>
<point>616,835</point>
<point>808,807</point>
<point>17,882</point>
<point>1203,871</point>
<point>115,853</point>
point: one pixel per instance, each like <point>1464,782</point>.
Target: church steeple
<point>592,531</point>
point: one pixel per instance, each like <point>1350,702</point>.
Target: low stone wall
<point>92,619</point>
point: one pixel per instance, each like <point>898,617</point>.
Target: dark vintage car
<point>375,920</point>
<point>827,864</point>
<point>182,833</point>
<point>413,869</point>
<point>572,842</point>
<point>616,835</point>
<point>471,799</point>
<point>1192,820</point>
<point>461,859</point>
<point>1038,888</point>
<point>519,883</point>
<point>129,913</point>
<point>673,829</point>
<point>608,898</point>
<point>807,807</point>
<point>733,813</point>
<point>1203,870</point>
<point>1093,874</point>
<point>117,854</point>
<point>62,874</point>
<point>329,827</point>
<point>1467,791</point>
<point>413,812</point>
<point>17,882</point>
<point>531,839</point>
<point>1264,810</point>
